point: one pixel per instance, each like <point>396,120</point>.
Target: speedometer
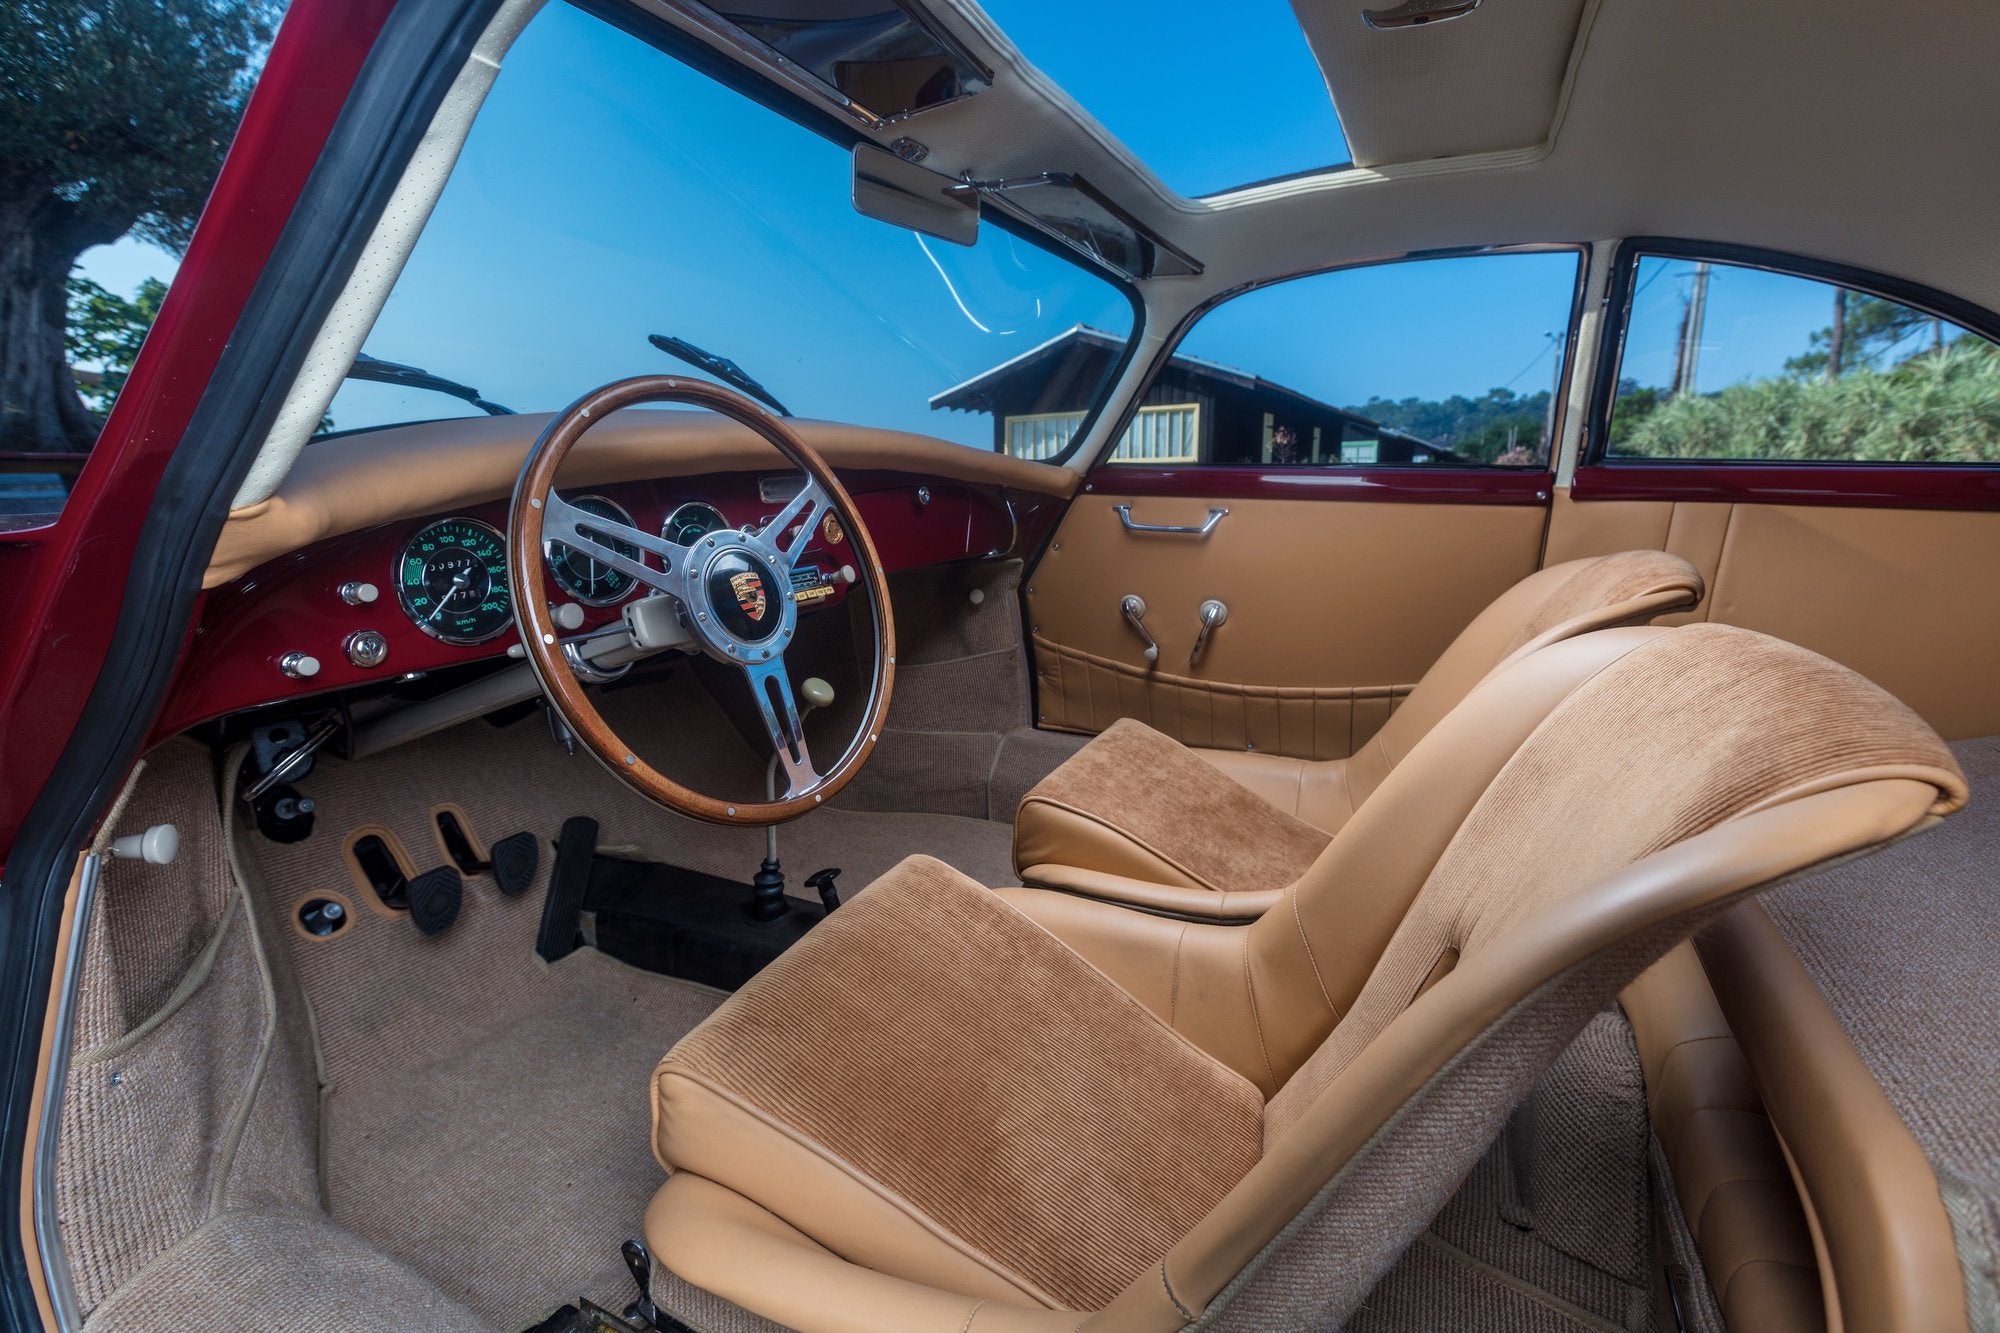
<point>452,581</point>
<point>589,580</point>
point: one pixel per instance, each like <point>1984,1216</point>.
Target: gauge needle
<point>458,582</point>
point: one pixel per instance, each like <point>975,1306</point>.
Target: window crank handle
<point>1134,608</point>
<point>1212,613</point>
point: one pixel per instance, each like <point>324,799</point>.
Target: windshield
<point>611,203</point>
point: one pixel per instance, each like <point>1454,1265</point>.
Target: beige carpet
<point>485,1119</point>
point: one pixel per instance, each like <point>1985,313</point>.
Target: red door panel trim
<point>1853,485</point>
<point>1419,483</point>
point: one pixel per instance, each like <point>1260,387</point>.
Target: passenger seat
<point>1136,817</point>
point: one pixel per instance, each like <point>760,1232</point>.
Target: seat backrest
<point>1685,769</point>
<point>1560,602</point>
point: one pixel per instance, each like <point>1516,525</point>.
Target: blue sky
<point>607,192</point>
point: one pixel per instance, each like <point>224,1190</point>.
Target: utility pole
<point>1687,359</point>
<point>1836,341</point>
<point>1555,392</point>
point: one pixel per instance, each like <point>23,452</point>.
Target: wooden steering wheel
<point>731,590</point>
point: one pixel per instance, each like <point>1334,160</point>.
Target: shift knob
<point>818,694</point>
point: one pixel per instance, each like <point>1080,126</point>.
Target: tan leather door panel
<point>1336,607</point>
<point>1910,598</point>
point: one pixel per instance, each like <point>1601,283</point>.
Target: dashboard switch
<point>367,648</point>
<point>299,666</point>
<point>567,615</point>
<point>358,594</point>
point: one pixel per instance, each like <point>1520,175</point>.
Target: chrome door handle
<point>1212,613</point>
<point>1215,516</point>
<point>1133,606</point>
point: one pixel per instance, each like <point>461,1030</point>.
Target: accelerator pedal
<point>515,861</point>
<point>435,897</point>
<point>562,910</point>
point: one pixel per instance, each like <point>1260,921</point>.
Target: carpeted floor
<point>485,1119</point>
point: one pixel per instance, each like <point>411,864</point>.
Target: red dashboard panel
<point>293,604</point>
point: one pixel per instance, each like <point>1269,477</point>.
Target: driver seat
<point>935,1114</point>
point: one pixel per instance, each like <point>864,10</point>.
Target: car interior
<point>1095,823</point>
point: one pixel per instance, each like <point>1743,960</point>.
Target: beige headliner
<point>357,481</point>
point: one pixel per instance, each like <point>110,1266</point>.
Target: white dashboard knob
<point>358,594</point>
<point>568,615</point>
<point>299,666</point>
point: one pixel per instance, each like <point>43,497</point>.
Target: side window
<point>117,118</point>
<point>1448,362</point>
<point>1724,361</point>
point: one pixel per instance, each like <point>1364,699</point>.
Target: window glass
<point>1425,362</point>
<point>113,124</point>
<point>1724,361</point>
<point>609,197</point>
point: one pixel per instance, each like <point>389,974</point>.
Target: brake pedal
<point>515,860</point>
<point>435,897</point>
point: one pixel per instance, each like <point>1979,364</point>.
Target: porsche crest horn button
<point>740,589</point>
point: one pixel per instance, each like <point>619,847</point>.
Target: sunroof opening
<point>1210,103</point>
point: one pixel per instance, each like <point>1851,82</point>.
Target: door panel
<point>1907,597</point>
<point>1336,608</point>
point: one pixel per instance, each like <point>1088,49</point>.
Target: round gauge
<point>584,578</point>
<point>691,522</point>
<point>452,581</point>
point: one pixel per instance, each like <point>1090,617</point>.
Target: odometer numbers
<point>452,581</point>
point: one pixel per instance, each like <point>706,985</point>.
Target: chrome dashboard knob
<point>367,648</point>
<point>356,593</point>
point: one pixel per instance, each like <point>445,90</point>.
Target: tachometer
<point>452,581</point>
<point>583,578</point>
<point>691,522</point>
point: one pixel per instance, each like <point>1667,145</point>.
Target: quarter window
<point>1729,362</point>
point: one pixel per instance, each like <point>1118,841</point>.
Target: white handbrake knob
<point>157,846</point>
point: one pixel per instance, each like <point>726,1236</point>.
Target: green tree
<point>105,330</point>
<point>114,117</point>
<point>1497,425</point>
<point>1869,329</point>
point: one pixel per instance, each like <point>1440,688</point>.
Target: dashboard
<point>431,592</point>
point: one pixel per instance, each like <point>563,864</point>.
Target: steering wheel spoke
<point>813,503</point>
<point>772,687</point>
<point>597,538</point>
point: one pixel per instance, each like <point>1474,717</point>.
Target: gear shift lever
<point>767,886</point>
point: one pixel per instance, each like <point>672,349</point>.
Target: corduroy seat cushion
<point>990,1086</point>
<point>1139,785</point>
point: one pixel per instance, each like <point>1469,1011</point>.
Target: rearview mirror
<point>904,194</point>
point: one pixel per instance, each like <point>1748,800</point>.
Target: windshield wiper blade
<point>719,366</point>
<point>374,368</point>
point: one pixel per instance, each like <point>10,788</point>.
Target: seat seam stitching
<point>1311,957</point>
<point>1174,991</point>
<point>1134,839</point>
<point>1256,1017</point>
<point>966,1327</point>
<point>1167,1283</point>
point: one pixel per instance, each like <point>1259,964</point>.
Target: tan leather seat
<point>1138,818</point>
<point>953,1109</point>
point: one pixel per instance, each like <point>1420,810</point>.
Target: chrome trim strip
<point>48,1231</point>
